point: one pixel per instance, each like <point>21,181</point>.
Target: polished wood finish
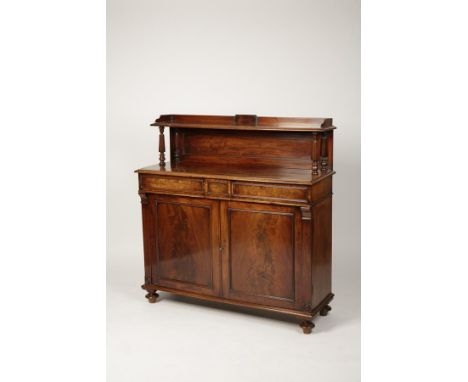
<point>321,250</point>
<point>162,147</point>
<point>307,326</point>
<point>217,188</point>
<point>186,240</point>
<point>245,122</point>
<point>270,191</point>
<point>242,212</point>
<point>261,253</point>
<point>152,296</point>
<point>324,311</point>
<point>172,185</point>
<point>251,172</point>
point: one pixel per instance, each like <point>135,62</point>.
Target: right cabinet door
<point>262,253</point>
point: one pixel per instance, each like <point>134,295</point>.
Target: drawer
<point>171,184</point>
<point>217,188</point>
<point>270,191</point>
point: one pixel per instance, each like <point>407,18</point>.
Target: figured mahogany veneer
<point>277,192</point>
<point>242,212</point>
<point>172,184</point>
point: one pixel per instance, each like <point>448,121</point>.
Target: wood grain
<point>269,191</point>
<point>217,188</point>
<point>322,250</point>
<point>188,244</point>
<point>172,184</point>
<point>243,213</point>
<point>250,173</point>
<point>259,253</point>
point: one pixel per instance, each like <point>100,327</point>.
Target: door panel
<point>261,253</point>
<point>187,253</point>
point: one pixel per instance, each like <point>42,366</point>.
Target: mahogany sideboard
<point>242,213</point>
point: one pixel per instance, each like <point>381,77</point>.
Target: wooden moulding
<point>244,122</point>
<point>245,119</point>
<point>295,177</point>
<point>308,312</point>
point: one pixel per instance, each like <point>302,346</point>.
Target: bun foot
<point>325,310</point>
<point>152,297</point>
<point>307,326</point>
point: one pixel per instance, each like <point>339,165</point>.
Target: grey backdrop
<point>264,57</point>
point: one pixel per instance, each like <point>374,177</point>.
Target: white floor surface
<point>180,339</point>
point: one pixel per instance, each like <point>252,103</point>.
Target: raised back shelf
<point>245,122</point>
<point>249,142</point>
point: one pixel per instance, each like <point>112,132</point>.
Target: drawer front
<point>279,192</point>
<point>224,189</point>
<point>217,188</point>
<point>172,184</point>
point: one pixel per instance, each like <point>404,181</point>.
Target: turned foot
<point>325,310</point>
<point>307,326</point>
<point>152,296</point>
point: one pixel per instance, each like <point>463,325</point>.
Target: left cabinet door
<point>185,253</point>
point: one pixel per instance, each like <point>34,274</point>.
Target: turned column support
<point>162,147</point>
<point>324,153</point>
<point>315,154</point>
<point>319,154</point>
<point>176,146</point>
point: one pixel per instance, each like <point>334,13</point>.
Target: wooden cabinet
<point>242,213</point>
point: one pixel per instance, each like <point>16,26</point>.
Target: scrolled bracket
<point>143,197</point>
<point>162,147</point>
<point>306,213</point>
<point>324,153</point>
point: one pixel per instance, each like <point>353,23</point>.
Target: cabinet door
<point>262,256</point>
<point>187,244</point>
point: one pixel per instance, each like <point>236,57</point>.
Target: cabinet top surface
<point>244,122</point>
<point>246,173</point>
